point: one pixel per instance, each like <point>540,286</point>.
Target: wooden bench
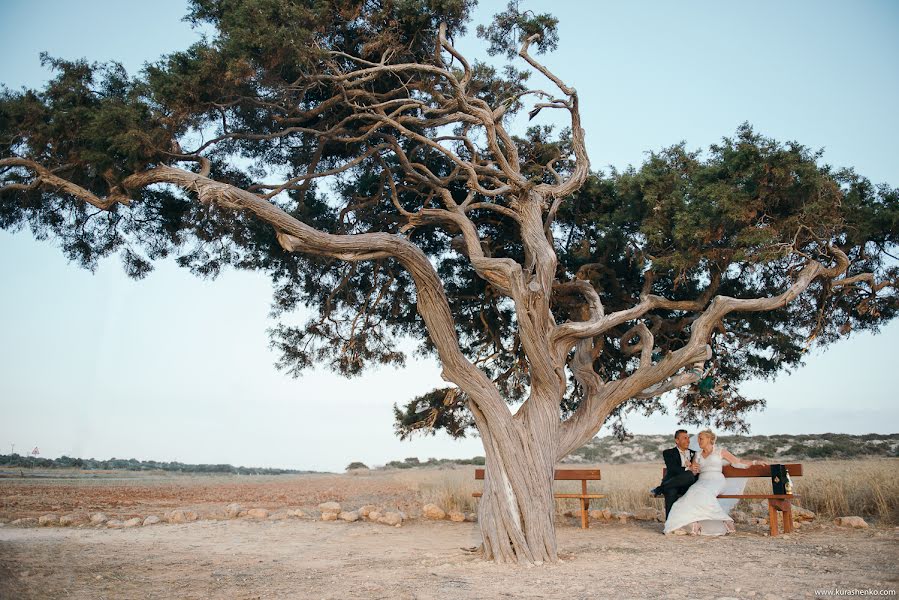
<point>582,475</point>
<point>776,502</point>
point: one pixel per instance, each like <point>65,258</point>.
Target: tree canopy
<point>356,117</point>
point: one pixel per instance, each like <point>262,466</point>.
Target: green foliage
<point>513,26</point>
<point>132,464</point>
<point>356,465</point>
<point>255,98</point>
<point>414,463</point>
<point>781,447</point>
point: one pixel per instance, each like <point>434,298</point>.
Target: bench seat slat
<point>589,496</point>
<point>562,474</point>
<point>759,496</point>
<point>579,495</point>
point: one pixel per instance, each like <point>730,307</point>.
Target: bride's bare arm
<point>736,462</point>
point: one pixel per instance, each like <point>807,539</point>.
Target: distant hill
<point>648,448</point>
<point>132,464</point>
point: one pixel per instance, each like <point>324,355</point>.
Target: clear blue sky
<point>177,368</point>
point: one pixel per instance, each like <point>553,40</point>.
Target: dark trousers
<point>675,487</point>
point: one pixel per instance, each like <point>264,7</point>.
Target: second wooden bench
<point>582,475</point>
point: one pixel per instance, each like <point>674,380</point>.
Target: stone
<point>472,517</point>
<point>67,520</point>
<point>646,513</point>
<point>623,516</point>
<point>391,518</point>
<point>855,522</point>
<point>456,516</point>
<point>329,507</point>
<point>363,511</point>
<point>233,510</point>
<point>349,517</point>
<point>278,516</point>
<point>803,514</point>
<point>329,516</point>
<point>740,517</point>
<point>98,518</point>
<point>374,515</point>
<point>296,513</point>
<point>24,522</point>
<point>432,511</point>
<point>596,515</point>
<point>135,522</point>
<point>758,509</point>
<point>152,520</point>
<point>257,513</point>
<point>181,516</point>
<point>47,520</point>
<point>115,524</point>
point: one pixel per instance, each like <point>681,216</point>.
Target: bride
<point>699,511</point>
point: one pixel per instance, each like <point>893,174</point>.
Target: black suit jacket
<point>672,462</point>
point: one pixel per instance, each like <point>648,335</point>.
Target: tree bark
<point>517,509</point>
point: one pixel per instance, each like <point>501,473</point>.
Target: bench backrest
<point>795,470</point>
<point>563,474</point>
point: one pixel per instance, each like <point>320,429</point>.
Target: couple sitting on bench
<point>692,482</point>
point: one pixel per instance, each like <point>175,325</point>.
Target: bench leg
<point>585,506</point>
<point>786,507</point>
<point>772,518</point>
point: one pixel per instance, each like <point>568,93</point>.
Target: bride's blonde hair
<point>708,433</point>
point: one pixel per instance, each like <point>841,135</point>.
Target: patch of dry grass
<point>868,488</point>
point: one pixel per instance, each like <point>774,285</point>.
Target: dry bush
<point>868,488</point>
<point>450,488</point>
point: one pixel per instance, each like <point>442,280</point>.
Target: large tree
<point>347,148</point>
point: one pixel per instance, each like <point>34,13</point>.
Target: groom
<point>679,474</point>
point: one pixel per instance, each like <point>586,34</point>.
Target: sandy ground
<point>307,558</point>
<point>314,559</point>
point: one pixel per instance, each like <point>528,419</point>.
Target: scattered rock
<point>349,517</point>
<point>646,513</point>
<point>456,516</point>
<point>278,516</point>
<point>257,513</point>
<point>757,521</point>
<point>296,513</point>
<point>181,516</point>
<point>740,517</point>
<point>392,518</point>
<point>856,522</point>
<point>67,520</point>
<point>432,511</point>
<point>98,518</point>
<point>803,514</point>
<point>151,520</point>
<point>24,522</point>
<point>329,516</point>
<point>374,515</point>
<point>115,524</point>
<point>233,510</point>
<point>367,509</point>
<point>623,516</point>
<point>329,507</point>
<point>596,515</point>
<point>47,520</point>
<point>472,517</point>
<point>758,509</point>
<point>135,522</point>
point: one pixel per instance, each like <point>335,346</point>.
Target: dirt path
<point>246,559</point>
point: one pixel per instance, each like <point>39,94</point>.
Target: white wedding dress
<point>700,504</point>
